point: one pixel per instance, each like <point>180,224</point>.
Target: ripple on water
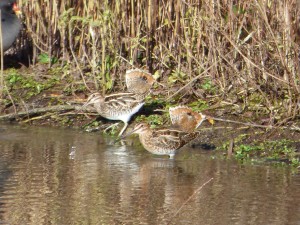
<point>117,184</point>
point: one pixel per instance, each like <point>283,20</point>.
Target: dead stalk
<point>236,45</point>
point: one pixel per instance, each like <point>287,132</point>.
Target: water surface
<point>64,176</point>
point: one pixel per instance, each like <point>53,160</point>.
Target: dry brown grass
<point>248,49</point>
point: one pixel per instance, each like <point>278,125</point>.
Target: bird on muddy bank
<point>122,106</point>
<point>185,119</point>
<point>139,81</point>
<point>10,23</point>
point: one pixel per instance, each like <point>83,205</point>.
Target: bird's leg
<point>110,127</point>
<point>172,156</point>
<point>123,129</point>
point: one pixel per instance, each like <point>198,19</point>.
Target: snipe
<point>119,106</point>
<point>162,141</point>
<point>139,81</point>
<point>122,106</point>
<point>185,119</point>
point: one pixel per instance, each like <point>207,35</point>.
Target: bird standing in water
<point>162,141</point>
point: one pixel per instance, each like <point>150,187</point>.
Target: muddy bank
<point>41,96</point>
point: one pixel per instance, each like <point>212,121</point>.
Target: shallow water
<point>64,176</point>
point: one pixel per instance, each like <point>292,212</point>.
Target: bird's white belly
<point>126,115</point>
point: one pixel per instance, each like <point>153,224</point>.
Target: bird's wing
<point>121,101</point>
<point>174,137</point>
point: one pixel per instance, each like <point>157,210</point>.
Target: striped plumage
<point>118,106</point>
<point>122,106</point>
<point>139,81</point>
<point>162,141</point>
<point>185,119</point>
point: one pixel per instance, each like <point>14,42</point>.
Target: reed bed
<point>240,52</point>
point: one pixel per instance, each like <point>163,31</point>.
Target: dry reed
<point>248,49</point>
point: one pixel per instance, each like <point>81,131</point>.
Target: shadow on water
<point>63,176</point>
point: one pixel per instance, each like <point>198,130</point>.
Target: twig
<point>58,108</point>
<point>253,63</point>
<point>121,57</point>
<point>247,124</point>
<point>38,117</point>
<point>191,81</point>
<point>295,128</point>
<point>196,192</point>
<point>90,113</point>
<point>11,99</point>
<point>74,56</point>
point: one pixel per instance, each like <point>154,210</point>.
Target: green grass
<point>280,151</point>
